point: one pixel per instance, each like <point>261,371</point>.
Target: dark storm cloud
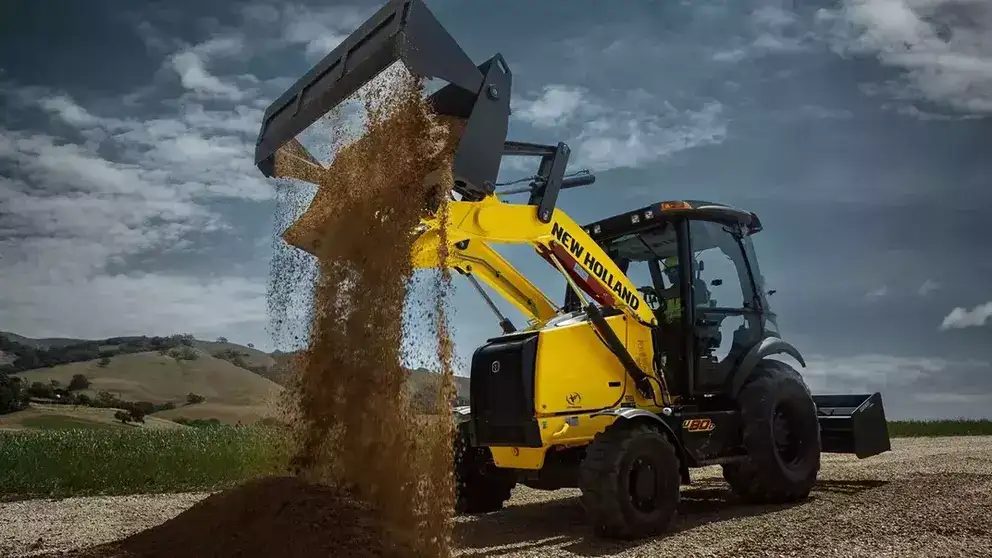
<point>855,129</point>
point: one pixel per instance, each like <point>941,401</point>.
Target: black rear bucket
<point>852,424</point>
<point>406,31</point>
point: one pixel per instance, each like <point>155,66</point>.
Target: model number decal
<point>698,425</point>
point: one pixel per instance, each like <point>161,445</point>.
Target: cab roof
<point>653,215</point>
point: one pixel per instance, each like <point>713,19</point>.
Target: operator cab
<point>700,343</point>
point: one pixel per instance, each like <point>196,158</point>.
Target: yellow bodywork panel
<point>575,369</point>
<point>572,430</point>
<point>573,374</point>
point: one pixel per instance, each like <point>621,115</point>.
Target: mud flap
<point>852,424</point>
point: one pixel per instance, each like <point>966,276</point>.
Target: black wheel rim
<point>785,432</point>
<point>643,485</point>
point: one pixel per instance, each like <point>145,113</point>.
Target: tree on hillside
<point>106,399</point>
<point>11,394</point>
<point>194,398</point>
<point>184,352</point>
<point>103,362</point>
<point>137,415</point>
<point>141,408</point>
<point>41,390</point>
<point>78,382</point>
<point>222,339</point>
<point>123,416</point>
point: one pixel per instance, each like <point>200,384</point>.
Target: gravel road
<point>928,497</point>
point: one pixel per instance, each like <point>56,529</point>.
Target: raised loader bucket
<point>406,31</point>
<point>852,424</point>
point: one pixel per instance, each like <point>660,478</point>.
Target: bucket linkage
<point>407,31</point>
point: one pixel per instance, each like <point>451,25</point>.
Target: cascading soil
<point>370,477</point>
<point>354,423</point>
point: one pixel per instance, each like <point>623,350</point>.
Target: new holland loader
<point>635,378</point>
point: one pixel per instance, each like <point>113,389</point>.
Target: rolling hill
<point>238,383</point>
<point>160,379</point>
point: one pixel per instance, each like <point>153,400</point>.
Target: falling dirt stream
<point>369,476</point>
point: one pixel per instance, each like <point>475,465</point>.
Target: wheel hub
<point>787,441</point>
<point>643,485</point>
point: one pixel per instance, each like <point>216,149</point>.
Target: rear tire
<point>630,481</point>
<point>781,436</point>
<point>480,486</point>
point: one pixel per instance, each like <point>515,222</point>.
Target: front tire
<point>781,436</point>
<point>630,481</point>
<point>480,486</point>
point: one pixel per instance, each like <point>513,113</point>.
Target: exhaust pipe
<point>852,424</point>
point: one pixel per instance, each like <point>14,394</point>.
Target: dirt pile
<point>277,516</point>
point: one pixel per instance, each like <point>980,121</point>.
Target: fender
<point>641,414</point>
<point>653,418</point>
<point>767,347</point>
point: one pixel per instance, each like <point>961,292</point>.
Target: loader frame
<point>553,401</point>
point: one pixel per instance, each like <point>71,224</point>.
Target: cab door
<point>727,314</point>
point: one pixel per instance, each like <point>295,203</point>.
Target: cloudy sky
<point>857,130</point>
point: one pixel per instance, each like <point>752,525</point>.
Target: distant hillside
<point>41,343</point>
<point>418,376</point>
<point>161,379</point>
<point>238,383</point>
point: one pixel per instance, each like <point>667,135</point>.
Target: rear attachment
<point>406,31</point>
<point>852,424</point>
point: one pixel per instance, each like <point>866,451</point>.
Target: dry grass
<point>156,378</point>
<point>62,417</point>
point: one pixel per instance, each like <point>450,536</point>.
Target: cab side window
<point>720,274</point>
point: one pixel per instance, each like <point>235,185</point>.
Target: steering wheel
<point>650,296</point>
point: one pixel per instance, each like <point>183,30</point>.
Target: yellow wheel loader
<point>639,374</point>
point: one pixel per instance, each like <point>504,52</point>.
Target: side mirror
<point>716,282</point>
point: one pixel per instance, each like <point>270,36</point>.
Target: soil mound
<point>282,517</point>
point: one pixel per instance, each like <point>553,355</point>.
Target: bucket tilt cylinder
<point>406,31</point>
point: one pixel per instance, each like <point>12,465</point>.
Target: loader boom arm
<point>473,225</point>
<point>475,257</point>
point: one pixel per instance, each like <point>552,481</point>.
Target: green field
<point>934,428</point>
<point>71,462</point>
<point>88,460</point>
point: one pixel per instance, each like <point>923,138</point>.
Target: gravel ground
<point>928,497</point>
